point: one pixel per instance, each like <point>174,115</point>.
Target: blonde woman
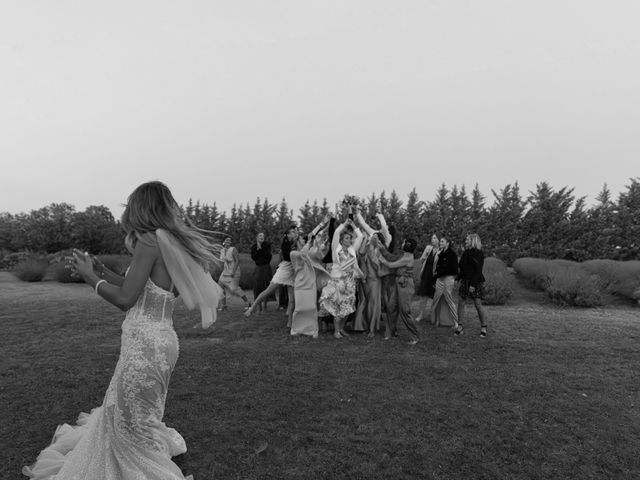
<point>472,280</point>
<point>125,437</point>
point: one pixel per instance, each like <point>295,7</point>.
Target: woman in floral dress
<point>339,295</point>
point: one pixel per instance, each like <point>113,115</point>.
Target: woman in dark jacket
<point>445,269</point>
<point>427,285</point>
<point>472,280</point>
<point>261,255</point>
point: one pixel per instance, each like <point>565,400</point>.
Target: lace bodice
<point>154,308</point>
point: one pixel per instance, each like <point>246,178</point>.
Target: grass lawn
<point>550,394</point>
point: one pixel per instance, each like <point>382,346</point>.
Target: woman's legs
<point>374,307</point>
<point>235,290</point>
<point>423,311</point>
<point>263,296</point>
<point>291,306</point>
<point>481,313</point>
<point>337,326</point>
<point>477,302</point>
<point>436,299</point>
<point>461,303</point>
<point>448,296</point>
<point>405,292</point>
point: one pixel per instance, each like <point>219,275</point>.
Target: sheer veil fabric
<point>125,438</point>
<point>196,286</point>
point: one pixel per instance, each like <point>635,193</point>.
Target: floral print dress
<point>339,295</point>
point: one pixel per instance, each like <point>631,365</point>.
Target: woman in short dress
<point>284,274</point>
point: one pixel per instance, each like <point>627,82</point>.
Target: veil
<point>195,285</point>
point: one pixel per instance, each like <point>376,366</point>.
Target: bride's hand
<point>82,263</point>
<point>71,266</point>
<point>98,266</point>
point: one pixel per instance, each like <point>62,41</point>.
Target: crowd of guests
<point>359,276</point>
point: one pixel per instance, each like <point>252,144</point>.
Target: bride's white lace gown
<point>125,438</point>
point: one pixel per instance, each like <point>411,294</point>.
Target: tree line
<point>548,223</point>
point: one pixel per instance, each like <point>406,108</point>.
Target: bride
<point>125,437</point>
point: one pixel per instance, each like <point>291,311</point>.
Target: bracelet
<point>98,284</point>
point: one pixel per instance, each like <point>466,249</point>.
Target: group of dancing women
<point>363,276</point>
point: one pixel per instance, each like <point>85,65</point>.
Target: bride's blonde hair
<point>151,206</point>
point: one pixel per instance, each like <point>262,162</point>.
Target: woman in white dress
<point>309,277</point>
<point>125,437</point>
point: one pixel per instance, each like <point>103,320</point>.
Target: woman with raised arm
<point>370,266</point>
<point>310,274</point>
<point>125,438</point>
<point>387,277</point>
<point>403,275</point>
<point>339,296</point>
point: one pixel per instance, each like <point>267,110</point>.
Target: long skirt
<point>305,314</point>
<point>373,294</point>
<point>387,300</point>
<point>360,320</point>
<point>426,287</point>
<point>401,298</point>
<point>124,438</point>
<point>443,308</point>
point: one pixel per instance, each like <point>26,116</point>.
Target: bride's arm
<point>104,273</point>
<point>123,296</point>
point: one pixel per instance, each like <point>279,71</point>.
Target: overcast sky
<point>226,101</point>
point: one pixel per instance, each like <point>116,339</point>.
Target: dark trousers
<point>389,302</point>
